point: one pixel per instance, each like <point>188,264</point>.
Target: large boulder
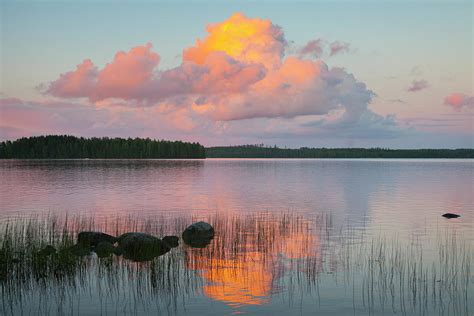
<point>92,239</point>
<point>141,246</point>
<point>198,234</point>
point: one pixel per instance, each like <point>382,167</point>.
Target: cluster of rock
<point>135,246</point>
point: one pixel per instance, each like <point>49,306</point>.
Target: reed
<point>262,257</point>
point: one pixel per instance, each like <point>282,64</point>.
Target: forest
<point>71,147</point>
<point>261,151</point>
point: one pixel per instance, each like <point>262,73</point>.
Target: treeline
<point>260,151</point>
<point>71,147</point>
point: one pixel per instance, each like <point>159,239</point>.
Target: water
<point>293,236</point>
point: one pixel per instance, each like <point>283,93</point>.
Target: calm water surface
<point>285,230</point>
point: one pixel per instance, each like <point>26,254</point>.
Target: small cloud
<point>418,85</point>
<point>313,48</point>
<point>338,47</point>
<point>459,101</point>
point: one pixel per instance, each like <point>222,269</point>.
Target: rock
<point>198,235</point>
<point>199,230</point>
<point>130,241</point>
<point>451,215</point>
<point>105,249</point>
<point>92,239</point>
<point>47,251</point>
<point>171,241</point>
<point>141,246</point>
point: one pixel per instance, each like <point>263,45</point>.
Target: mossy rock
<point>141,246</point>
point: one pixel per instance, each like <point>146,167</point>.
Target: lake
<point>346,237</point>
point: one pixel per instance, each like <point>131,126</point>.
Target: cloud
<point>316,48</point>
<point>418,85</point>
<point>237,72</point>
<point>77,83</point>
<point>459,101</point>
<point>133,76</point>
<point>242,38</point>
<point>313,48</point>
<point>220,73</point>
<point>21,118</point>
<point>298,87</point>
<point>338,47</point>
<point>128,76</point>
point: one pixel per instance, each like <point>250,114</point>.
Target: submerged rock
<point>171,241</point>
<point>198,235</point>
<point>141,246</point>
<point>451,215</point>
<point>92,239</point>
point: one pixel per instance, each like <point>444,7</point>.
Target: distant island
<point>261,151</point>
<point>71,147</point>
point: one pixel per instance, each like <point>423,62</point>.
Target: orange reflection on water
<point>237,282</point>
<point>243,264</point>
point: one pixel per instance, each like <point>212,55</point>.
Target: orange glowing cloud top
<point>244,39</point>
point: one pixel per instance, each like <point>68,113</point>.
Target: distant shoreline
<point>71,147</point>
<point>258,151</point>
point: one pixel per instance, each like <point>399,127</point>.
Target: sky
<point>395,74</point>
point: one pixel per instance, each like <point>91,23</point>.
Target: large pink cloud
<point>459,101</point>
<point>237,71</point>
<point>126,77</point>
